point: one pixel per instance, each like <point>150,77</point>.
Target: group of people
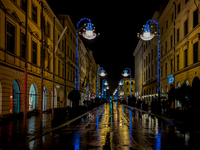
<point>155,105</point>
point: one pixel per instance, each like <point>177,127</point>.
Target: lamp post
<point>120,83</point>
<point>107,87</point>
<point>103,74</point>
<point>126,75</point>
<point>88,34</point>
<point>116,93</point>
<point>25,67</point>
<point>146,36</point>
<point>104,83</point>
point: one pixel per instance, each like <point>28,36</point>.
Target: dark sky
<point>118,23</point>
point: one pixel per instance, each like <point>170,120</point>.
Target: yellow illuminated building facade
<point>180,55</point>
<point>127,87</point>
<point>12,57</point>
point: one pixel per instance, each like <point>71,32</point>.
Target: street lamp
<point>146,36</point>
<point>107,87</point>
<point>88,34</point>
<point>126,75</point>
<point>103,74</point>
<point>104,82</point>
<point>121,82</point>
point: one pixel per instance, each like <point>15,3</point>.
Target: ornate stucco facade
<point>180,55</point>
<point>12,49</point>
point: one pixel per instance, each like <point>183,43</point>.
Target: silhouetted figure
<point>139,103</point>
<point>153,105</point>
<point>164,105</point>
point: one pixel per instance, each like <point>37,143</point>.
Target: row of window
<point>10,47</point>
<point>127,90</point>
<point>186,26</point>
<point>150,91</point>
<point>185,60</point>
<point>150,57</point>
<point>151,72</point>
<point>47,29</point>
<point>177,12</point>
<point>127,83</point>
<point>162,89</point>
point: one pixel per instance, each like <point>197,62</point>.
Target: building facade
<point>180,40</point>
<point>180,56</point>
<point>146,67</point>
<point>91,76</point>
<point>138,54</point>
<point>12,57</point>
<point>126,83</point>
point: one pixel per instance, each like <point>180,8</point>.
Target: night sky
<point>118,23</point>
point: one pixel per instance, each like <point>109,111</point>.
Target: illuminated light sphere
<point>104,89</point>
<point>125,73</point>
<point>147,35</point>
<point>107,87</point>
<point>120,83</point>
<point>89,34</point>
<point>102,73</point>
<point>106,83</point>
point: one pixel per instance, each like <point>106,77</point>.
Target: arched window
<point>178,85</point>
<point>32,98</point>
<point>186,82</point>
<point>14,97</point>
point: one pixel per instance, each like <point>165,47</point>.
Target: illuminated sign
<point>170,79</point>
<point>87,88</point>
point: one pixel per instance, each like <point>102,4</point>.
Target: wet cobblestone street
<point>116,126</point>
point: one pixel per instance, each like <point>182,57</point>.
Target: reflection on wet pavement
<point>115,126</point>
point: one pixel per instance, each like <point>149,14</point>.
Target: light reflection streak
<point>158,139</point>
<point>124,133</point>
<point>77,141</point>
<point>97,121</point>
<point>103,125</point>
<point>130,118</point>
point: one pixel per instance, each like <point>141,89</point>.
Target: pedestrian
<point>153,105</point>
<point>164,104</point>
<point>84,102</point>
<point>168,105</point>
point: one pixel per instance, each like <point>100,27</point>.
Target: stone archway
<point>195,88</point>
<point>32,97</point>
<point>14,97</point>
<point>177,102</point>
<point>186,82</point>
<point>55,98</point>
<point>178,85</point>
<point>195,83</point>
<point>45,98</point>
<point>61,98</point>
